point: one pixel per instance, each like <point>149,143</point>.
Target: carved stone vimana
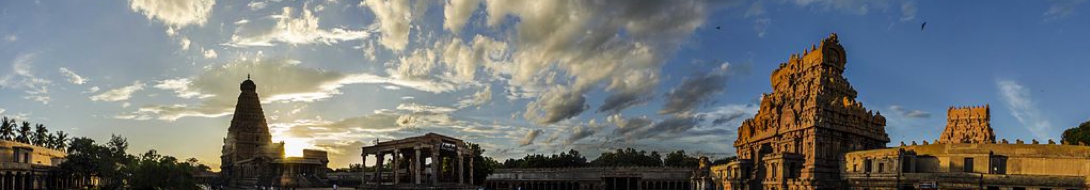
<point>806,125</point>
<point>968,125</point>
<point>248,138</point>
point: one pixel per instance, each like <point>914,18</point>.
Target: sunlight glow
<point>293,147</point>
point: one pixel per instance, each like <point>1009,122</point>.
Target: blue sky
<point>524,77</point>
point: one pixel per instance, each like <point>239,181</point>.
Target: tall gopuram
<point>805,126</point>
<point>968,125</point>
<point>248,148</point>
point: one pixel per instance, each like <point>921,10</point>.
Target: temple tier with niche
<point>804,127</point>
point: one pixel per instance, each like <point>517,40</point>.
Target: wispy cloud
<point>23,78</point>
<point>294,31</point>
<point>1061,9</point>
<point>909,113</point>
<point>175,13</point>
<point>1024,108</point>
<point>119,94</point>
<point>529,138</point>
<point>72,76</point>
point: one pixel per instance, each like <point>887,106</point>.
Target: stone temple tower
<point>805,126</point>
<point>248,138</point>
<point>968,125</point>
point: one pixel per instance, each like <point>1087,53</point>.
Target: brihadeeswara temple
<point>811,133</point>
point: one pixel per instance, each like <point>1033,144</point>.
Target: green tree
<point>153,171</point>
<point>680,159</point>
<point>61,140</point>
<point>7,129</point>
<point>628,157</point>
<point>482,166</point>
<point>24,133</point>
<point>39,137</point>
<point>1080,134</point>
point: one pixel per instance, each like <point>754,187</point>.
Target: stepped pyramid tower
<point>968,125</point>
<point>248,149</point>
<point>805,126</point>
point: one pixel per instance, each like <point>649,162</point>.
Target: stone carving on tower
<point>805,126</point>
<point>968,125</point>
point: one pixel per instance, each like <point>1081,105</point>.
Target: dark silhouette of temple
<point>251,158</point>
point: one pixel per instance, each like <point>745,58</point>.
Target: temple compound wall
<point>967,157</point>
<point>804,127</point>
<point>26,166</point>
<point>415,163</point>
<point>592,178</point>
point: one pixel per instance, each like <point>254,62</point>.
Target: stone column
<point>461,174</point>
<point>397,166</point>
<point>471,157</point>
<point>378,167</point>
<point>416,165</point>
<point>435,162</point>
<point>363,174</point>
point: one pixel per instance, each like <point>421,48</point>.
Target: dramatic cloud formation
<point>556,105</point>
<point>119,94</point>
<point>909,113</point>
<point>1024,109</point>
<point>72,76</point>
<point>457,13</point>
<point>176,13</point>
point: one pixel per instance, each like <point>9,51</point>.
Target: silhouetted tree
<point>628,157</point>
<point>680,159</point>
<point>24,133</point>
<point>61,140</point>
<point>7,129</point>
<point>1078,134</point>
<point>40,136</point>
<point>482,166</point>
<point>724,160</point>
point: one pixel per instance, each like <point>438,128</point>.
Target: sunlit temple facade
<point>26,166</point>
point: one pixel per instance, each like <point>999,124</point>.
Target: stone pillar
<point>461,173</point>
<point>378,167</point>
<point>363,174</point>
<point>471,158</point>
<point>416,165</point>
<point>435,162</point>
<point>397,166</point>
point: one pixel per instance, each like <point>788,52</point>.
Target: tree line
<point>109,163</point>
<point>37,134</point>
<point>620,158</point>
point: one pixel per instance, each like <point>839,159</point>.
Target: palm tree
<point>61,140</point>
<point>24,133</point>
<point>7,128</point>
<point>50,141</point>
<point>40,135</point>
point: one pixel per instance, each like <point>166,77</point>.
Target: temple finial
<point>247,76</point>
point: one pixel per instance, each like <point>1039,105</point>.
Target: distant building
<point>415,163</point>
<point>26,166</point>
<point>970,160</point>
<point>592,178</point>
<point>250,158</point>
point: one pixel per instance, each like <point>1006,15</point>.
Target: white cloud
<point>11,38</point>
<point>180,87</point>
<point>119,94</point>
<point>908,11</point>
<point>176,13</point>
<point>909,113</point>
<point>477,99</point>
<point>72,76</point>
<point>256,5</point>
<point>1024,109</point>
<point>424,108</point>
<point>394,19</point>
<point>1061,9</point>
<point>185,43</point>
<point>457,12</point>
<point>210,54</point>
<point>294,31</point>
